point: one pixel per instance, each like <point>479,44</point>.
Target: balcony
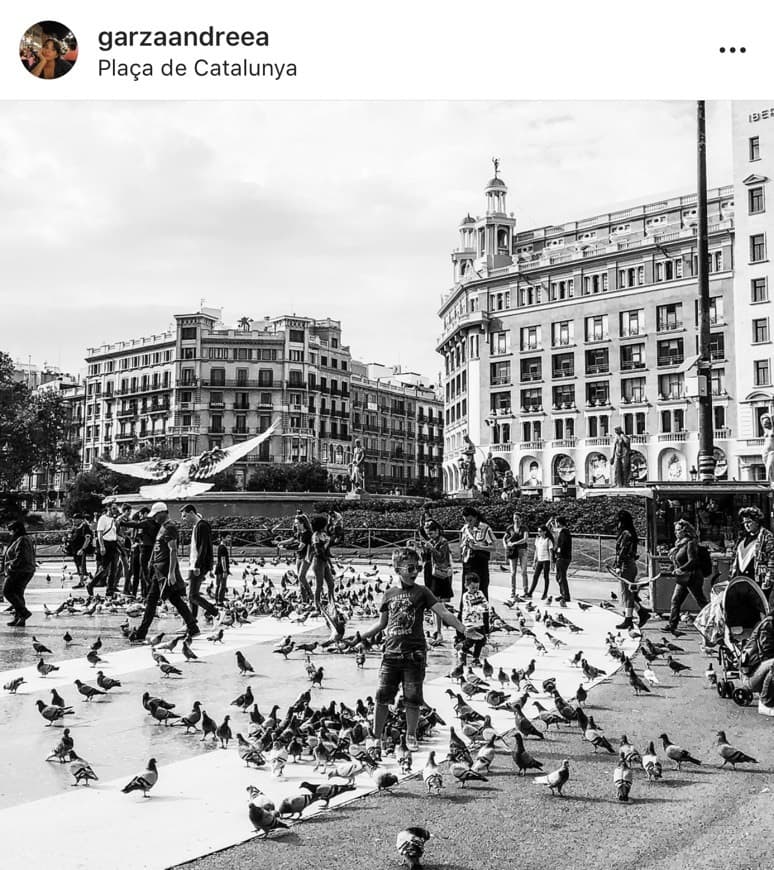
<point>669,326</point>
<point>565,442</point>
<point>600,441</point>
<point>722,434</point>
<point>597,336</point>
<point>217,405</point>
<point>670,359</point>
<point>500,382</point>
<point>527,377</point>
<point>303,430</point>
<point>633,332</point>
<point>241,406</point>
<point>630,365</point>
<point>526,348</point>
<point>598,369</point>
<point>532,409</point>
<point>242,430</point>
<point>556,374</point>
<point>673,436</point>
<point>129,412</point>
<point>507,447</point>
<point>753,442</point>
<point>602,402</point>
<point>183,430</point>
<point>673,396</point>
<point>564,406</point>
<point>639,439</point>
<point>532,445</point>
<point>634,399</point>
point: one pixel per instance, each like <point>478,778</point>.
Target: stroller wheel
<point>725,688</point>
<point>743,697</point>
<point>720,686</point>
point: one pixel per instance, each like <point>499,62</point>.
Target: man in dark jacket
<point>200,560</point>
<point>563,556</point>
<point>147,529</point>
<point>19,566</point>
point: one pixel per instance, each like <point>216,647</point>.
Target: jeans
<point>519,565</point>
<point>174,598</point>
<point>195,597</point>
<point>80,565</point>
<point>629,597</point>
<point>107,572</point>
<point>694,586</point>
<point>407,669</point>
<point>561,577</point>
<point>220,587</point>
<point>15,584</point>
<point>478,563</point>
<point>755,680</point>
<point>545,568</point>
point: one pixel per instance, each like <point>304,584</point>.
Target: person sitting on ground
<point>760,645</point>
<point>474,614</point>
<point>405,646</point>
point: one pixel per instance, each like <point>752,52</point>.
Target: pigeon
<point>522,759</point>
<point>730,755</point>
<point>622,779</point>
<point>596,738</point>
<point>464,773</point>
<point>45,669</point>
<point>524,725</point>
<point>88,691</point>
<point>672,647</point>
<point>627,751</point>
<point>244,700</point>
<point>150,702</point>
<point>636,682</point>
<point>677,667</point>
<point>168,670</point>
<point>325,792</point>
<point>431,775</point>
<point>162,714</point>
<point>217,637</point>
<point>157,638</point>
<point>40,648</point>
<point>52,713</point>
<point>264,821</point>
<point>190,655</point>
<point>582,605</point>
<point>107,683</point>
<point>81,769</point>
<point>260,799</point>
<point>650,675</point>
<point>549,717</point>
<point>557,779</point>
<point>209,726</point>
<point>410,844</point>
<point>143,781</point>
<point>581,695</point>
<point>250,754</point>
<point>650,763</point>
<point>318,677</point>
<point>243,665</point>
<point>93,659</point>
<point>294,805</point>
<point>62,750</point>
<point>67,638</point>
<point>385,781</point>
<point>223,733</point>
<point>97,645</point>
<point>56,699</point>
<point>677,753</point>
<point>191,720</point>
<point>285,649</point>
<point>12,685</point>
<point>590,672</point>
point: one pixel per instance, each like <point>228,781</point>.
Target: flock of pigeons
<point>337,740</point>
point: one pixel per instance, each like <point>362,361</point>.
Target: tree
<point>269,478</point>
<point>85,494</point>
<point>307,477</point>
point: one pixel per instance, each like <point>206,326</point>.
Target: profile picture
<point>48,50</point>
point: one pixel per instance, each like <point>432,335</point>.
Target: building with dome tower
<point>553,336</point>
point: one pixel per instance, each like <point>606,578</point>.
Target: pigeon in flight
<point>186,475</point>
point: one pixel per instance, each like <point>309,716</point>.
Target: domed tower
<point>495,231</point>
<point>463,257</point>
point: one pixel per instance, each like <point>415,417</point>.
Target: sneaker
<point>411,742</point>
<point>643,615</point>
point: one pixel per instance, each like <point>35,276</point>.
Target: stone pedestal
<point>353,496</point>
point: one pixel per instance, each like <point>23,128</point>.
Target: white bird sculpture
<point>187,474</point>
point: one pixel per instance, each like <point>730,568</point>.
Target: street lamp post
<point>706,459</point>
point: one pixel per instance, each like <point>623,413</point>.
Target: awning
<point>689,363</point>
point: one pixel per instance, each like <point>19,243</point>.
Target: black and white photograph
<point>385,483</point>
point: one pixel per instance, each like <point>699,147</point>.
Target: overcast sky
<point>115,216</point>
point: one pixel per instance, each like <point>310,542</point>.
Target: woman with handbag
<point>626,567</point>
<point>687,572</point>
<point>438,555</point>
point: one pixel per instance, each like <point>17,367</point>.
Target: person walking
<point>222,569</point>
<point>562,556</point>
<point>516,545</point>
<point>301,543</point>
<point>166,581</point>
<point>80,547</point>
<point>474,615</point>
<point>541,562</point>
<point>687,572</point>
<point>107,550</point>
<point>477,542</point>
<point>147,529</point>
<point>405,647</point>
<point>200,560</point>
<point>124,541</point>
<point>19,564</point>
<point>438,557</point>
<point>321,559</point>
<point>626,544</point>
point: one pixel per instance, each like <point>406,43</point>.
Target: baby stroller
<point>742,606</point>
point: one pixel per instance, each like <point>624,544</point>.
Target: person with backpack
<point>688,571</point>
<point>754,554</point>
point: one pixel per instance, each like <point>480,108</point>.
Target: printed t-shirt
<point>405,607</point>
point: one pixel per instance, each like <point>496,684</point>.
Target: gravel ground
<point>702,817</point>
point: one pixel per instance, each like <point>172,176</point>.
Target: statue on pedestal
<point>488,474</point>
<point>357,468</point>
<point>767,451</point>
<point>468,465</point>
<point>621,459</point>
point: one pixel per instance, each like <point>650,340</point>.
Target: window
<point>671,386</point>
<point>633,389</point>
<point>755,148</point>
<point>218,377</point>
<point>755,200</point>
<point>334,342</point>
<point>597,361</point>
<point>632,322</point>
<point>563,396</point>
<point>297,336</point>
<point>187,376</point>
<point>530,337</point>
<point>598,427</point>
<point>670,352</point>
<point>632,357</point>
<point>563,365</point>
<point>216,423</point>
<point>669,317</point>
<point>759,291</point>
<point>531,369</point>
<point>762,372</point>
<point>717,346</point>
<point>757,248</point>
<point>718,382</point>
<point>499,373</point>
<point>760,328</point>
<point>188,333</point>
<point>265,378</point>
<point>500,401</point>
<point>669,270</point>
<point>532,400</point>
<point>594,283</point>
<point>597,393</point>
<point>297,356</point>
<point>562,333</point>
<point>269,354</point>
<point>500,342</point>
<point>596,328</point>
<point>216,399</point>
